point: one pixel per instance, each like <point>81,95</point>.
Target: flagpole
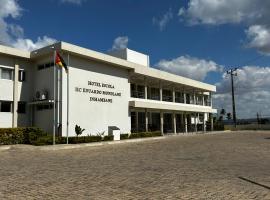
<point>68,100</point>
<point>54,97</point>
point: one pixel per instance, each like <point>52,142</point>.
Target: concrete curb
<point>6,147</point>
<point>96,144</point>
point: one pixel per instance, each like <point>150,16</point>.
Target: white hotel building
<point>119,89</point>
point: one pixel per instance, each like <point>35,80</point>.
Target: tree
<point>229,116</point>
<point>222,113</point>
<point>78,130</point>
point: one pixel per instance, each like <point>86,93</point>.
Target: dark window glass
<point>6,73</point>
<point>21,75</point>
<point>45,107</point>
<point>47,65</point>
<point>21,107</point>
<point>5,106</point>
<point>40,67</point>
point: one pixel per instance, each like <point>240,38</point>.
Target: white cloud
<point>215,12</point>
<point>77,2</point>
<point>164,20</point>
<point>259,38</point>
<point>254,14</point>
<point>12,34</point>
<point>252,92</point>
<point>29,45</point>
<point>189,67</point>
<point>120,42</point>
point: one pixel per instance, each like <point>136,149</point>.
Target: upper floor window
<point>6,73</point>
<point>21,77</point>
<point>44,66</point>
<point>179,97</point>
<point>5,106</point>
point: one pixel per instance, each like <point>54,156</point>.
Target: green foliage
<point>84,139</point>
<point>124,136</point>
<point>145,134</point>
<point>27,135</point>
<point>108,138</point>
<point>78,130</point>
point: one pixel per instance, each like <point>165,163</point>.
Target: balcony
<point>169,95</point>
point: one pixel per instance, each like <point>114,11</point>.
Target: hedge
<point>145,134</point>
<point>124,136</point>
<point>35,136</point>
<point>27,135</point>
<point>108,138</point>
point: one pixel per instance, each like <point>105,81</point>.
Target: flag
<point>59,61</point>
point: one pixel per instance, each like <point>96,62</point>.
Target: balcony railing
<point>137,94</point>
<point>169,98</point>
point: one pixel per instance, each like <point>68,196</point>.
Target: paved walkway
<point>220,166</point>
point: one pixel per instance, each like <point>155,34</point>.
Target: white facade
<point>103,91</point>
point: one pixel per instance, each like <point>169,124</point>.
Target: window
<point>5,106</point>
<point>21,75</point>
<point>21,107</point>
<point>6,73</point>
<point>44,66</point>
<point>45,107</point>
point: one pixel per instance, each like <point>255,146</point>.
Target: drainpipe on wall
<point>15,96</point>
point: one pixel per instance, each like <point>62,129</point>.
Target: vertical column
<point>160,91</point>
<point>161,122</point>
<point>204,124</point>
<point>137,122</point>
<point>194,97</point>
<point>15,96</point>
<point>203,100</point>
<point>210,98</point>
<point>185,119</point>
<point>146,120</point>
<point>145,88</point>
<point>212,121</point>
<point>173,94</point>
<point>195,121</point>
<point>185,97</point>
<point>174,123</point>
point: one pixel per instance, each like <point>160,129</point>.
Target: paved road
<point>221,166</point>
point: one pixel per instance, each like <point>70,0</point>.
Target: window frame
<point>10,106</point>
<point>22,75</point>
<point>6,68</point>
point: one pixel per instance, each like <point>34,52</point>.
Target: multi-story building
<point>99,91</point>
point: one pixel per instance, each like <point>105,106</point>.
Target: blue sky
<point>195,38</point>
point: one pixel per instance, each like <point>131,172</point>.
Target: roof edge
<point>14,52</point>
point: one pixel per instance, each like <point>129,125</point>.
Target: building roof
<point>14,52</point>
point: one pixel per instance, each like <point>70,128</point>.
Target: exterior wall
<point>5,120</point>
<point>43,81</point>
<point>24,89</point>
<point>131,56</point>
<point>138,58</point>
<point>95,117</point>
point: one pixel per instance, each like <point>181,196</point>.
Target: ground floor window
<point>5,106</point>
<point>21,107</point>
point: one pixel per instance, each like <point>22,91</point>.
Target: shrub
<point>145,134</point>
<point>124,136</point>
<point>20,135</point>
<point>108,138</point>
<point>78,130</point>
<point>84,139</point>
